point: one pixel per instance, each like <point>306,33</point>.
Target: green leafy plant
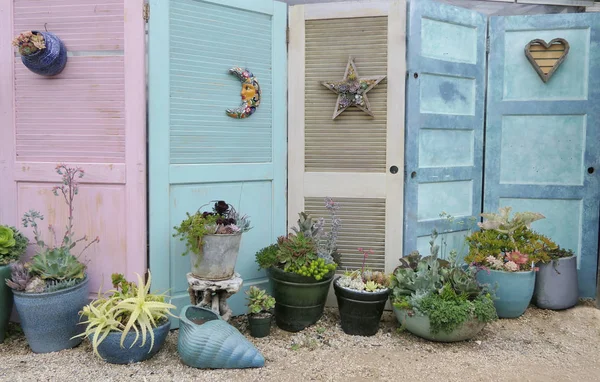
<point>127,307</point>
<point>223,220</point>
<point>13,244</point>
<point>259,301</point>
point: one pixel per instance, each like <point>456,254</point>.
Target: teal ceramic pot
<point>50,320</point>
<point>420,326</point>
<point>6,300</point>
<point>208,342</point>
<point>513,293</point>
<point>111,351</point>
<point>556,284</point>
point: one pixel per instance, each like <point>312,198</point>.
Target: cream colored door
<point>356,159</point>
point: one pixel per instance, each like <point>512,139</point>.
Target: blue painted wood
<point>444,121</point>
<point>541,138</point>
<point>196,152</point>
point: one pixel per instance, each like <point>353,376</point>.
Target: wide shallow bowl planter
<point>420,326</point>
<point>6,300</point>
<point>208,342</point>
<point>556,285</point>
<point>111,351</point>
<point>50,320</point>
<point>218,257</point>
<point>360,312</point>
<point>514,291</point>
<point>300,300</point>
<point>260,325</point>
<point>49,61</point>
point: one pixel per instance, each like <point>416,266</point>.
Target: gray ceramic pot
<point>111,351</point>
<point>218,257</point>
<point>556,285</point>
<point>50,320</point>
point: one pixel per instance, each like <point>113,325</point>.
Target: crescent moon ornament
<point>250,94</point>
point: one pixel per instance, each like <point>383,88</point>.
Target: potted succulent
<point>41,52</point>
<point>261,306</point>
<point>506,250</point>
<point>301,266</point>
<point>556,285</point>
<point>12,245</point>
<point>51,289</point>
<point>115,320</point>
<point>361,297</point>
<point>440,300</point>
<point>213,240</point>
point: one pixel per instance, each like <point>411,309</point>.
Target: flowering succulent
<point>29,42</point>
<point>514,261</point>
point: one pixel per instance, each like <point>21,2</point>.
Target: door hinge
<point>287,35</point>
<point>146,12</point>
<point>487,44</point>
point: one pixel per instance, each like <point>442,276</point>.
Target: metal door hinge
<point>487,44</point>
<point>146,12</point>
<point>287,35</point>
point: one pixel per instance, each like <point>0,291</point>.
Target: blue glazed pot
<point>111,351</point>
<point>49,61</point>
<point>208,342</point>
<point>50,320</point>
<point>513,293</point>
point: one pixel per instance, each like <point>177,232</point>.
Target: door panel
<point>541,138</point>
<point>444,121</point>
<point>197,152</point>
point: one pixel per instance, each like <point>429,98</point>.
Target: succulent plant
<point>57,264</point>
<point>7,240</point>
<point>20,277</point>
<point>36,285</point>
<point>296,250</point>
<point>29,42</point>
<point>259,301</point>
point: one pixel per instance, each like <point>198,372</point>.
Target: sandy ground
<point>539,346</point>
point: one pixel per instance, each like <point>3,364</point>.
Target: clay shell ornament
<point>250,94</point>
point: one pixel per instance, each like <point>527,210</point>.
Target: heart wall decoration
<point>546,57</point>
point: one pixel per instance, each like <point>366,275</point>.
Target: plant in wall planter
<point>556,284</point>
<point>440,300</point>
<point>13,244</point>
<point>261,306</point>
<point>213,240</point>
<point>51,289</point>
<point>506,250</point>
<point>361,297</point>
<point>117,320</point>
<point>41,52</point>
<point>301,267</point>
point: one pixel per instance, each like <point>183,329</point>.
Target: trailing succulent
<point>445,292</point>
<point>12,244</point>
<point>259,300</point>
<point>223,220</point>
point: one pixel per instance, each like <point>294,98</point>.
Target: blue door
<point>444,122</point>
<point>197,153</point>
<point>542,138</point>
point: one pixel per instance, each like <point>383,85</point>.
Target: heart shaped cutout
<point>546,57</point>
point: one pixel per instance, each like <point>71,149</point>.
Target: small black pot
<point>360,311</point>
<point>259,326</point>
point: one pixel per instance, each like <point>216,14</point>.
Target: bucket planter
<point>111,351</point>
<point>300,300</point>
<point>360,311</point>
<point>260,324</point>
<point>420,326</point>
<point>47,61</point>
<point>217,259</point>
<point>50,320</point>
<point>6,301</point>
<point>556,284</point>
<point>514,290</point>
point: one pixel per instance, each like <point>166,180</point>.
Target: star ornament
<point>352,90</point>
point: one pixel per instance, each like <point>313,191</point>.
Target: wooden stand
<point>214,294</point>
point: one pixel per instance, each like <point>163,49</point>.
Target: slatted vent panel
<point>207,40</point>
<point>353,142</point>
<point>363,225</point>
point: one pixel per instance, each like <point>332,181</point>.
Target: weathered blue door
<point>444,121</point>
<point>197,153</point>
<point>542,138</point>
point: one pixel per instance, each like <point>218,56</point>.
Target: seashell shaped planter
<point>111,351</point>
<point>218,257</point>
<point>49,61</point>
<point>420,326</point>
<point>6,300</point>
<point>208,342</point>
<point>556,285</point>
<point>50,320</point>
<point>514,292</point>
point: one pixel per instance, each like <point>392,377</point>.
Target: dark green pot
<point>6,300</point>
<point>300,300</point>
<point>259,326</point>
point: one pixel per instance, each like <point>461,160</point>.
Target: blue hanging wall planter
<point>49,61</point>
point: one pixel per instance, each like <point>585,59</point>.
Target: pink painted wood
<point>91,115</point>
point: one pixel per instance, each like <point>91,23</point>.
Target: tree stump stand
<point>214,294</point>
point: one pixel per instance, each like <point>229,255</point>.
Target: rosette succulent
<point>12,244</point>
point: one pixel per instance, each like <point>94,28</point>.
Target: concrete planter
<point>420,326</point>
<point>513,293</point>
<point>218,257</point>
<point>556,285</point>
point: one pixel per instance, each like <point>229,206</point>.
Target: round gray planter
<point>50,320</point>
<point>556,285</point>
<point>218,257</point>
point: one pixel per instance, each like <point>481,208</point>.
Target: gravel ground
<point>539,346</point>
